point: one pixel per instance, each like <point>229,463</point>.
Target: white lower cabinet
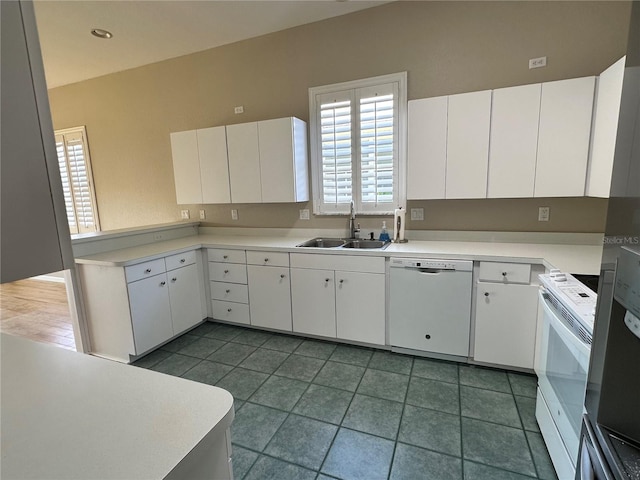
<point>360,307</point>
<point>228,284</point>
<point>313,301</point>
<point>184,296</point>
<point>270,297</point>
<point>505,330</point>
<point>150,312</point>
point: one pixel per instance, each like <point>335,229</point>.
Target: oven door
<point>562,367</point>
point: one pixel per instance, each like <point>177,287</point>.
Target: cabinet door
<point>468,144</point>
<point>360,307</point>
<point>514,141</point>
<point>270,297</point>
<point>214,167</point>
<point>276,160</point>
<point>184,295</point>
<point>150,312</point>
<point>313,301</point>
<point>427,148</point>
<point>244,163</point>
<point>506,324</point>
<point>605,129</point>
<point>186,167</point>
<point>563,138</point>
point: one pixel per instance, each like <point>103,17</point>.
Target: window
<point>358,145</point>
<point>77,181</point>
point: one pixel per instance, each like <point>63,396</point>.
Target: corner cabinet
<point>256,162</point>
<point>506,315</point>
<point>339,296</point>
<point>134,309</point>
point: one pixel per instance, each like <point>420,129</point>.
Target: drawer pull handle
<point>326,280</point>
<point>163,283</point>
<point>427,336</point>
<point>227,291</point>
<point>504,274</point>
<point>229,310</point>
<point>266,260</point>
<point>341,280</point>
<point>226,271</point>
<point>148,270</point>
<point>486,294</point>
<point>282,275</point>
<point>225,256</point>
<point>174,279</point>
<point>182,260</point>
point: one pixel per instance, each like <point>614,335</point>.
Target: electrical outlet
<point>203,215</point>
<point>543,214</point>
<point>417,214</point>
<point>537,62</point>
<point>184,214</point>
<point>234,214</point>
<point>239,109</point>
<point>304,214</point>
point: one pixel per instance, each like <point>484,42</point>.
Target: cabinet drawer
<point>144,270</point>
<point>230,311</point>
<point>505,272</point>
<point>226,256</point>
<point>272,259</point>
<point>230,292</point>
<point>180,260</point>
<point>228,272</point>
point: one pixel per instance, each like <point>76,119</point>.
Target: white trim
<point>49,278</point>
<point>400,174</point>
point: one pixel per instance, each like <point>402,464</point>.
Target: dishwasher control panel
<point>432,263</point>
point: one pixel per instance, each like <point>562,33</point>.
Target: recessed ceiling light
<point>100,33</point>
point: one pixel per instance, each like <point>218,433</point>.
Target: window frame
<point>400,160</point>
<point>82,131</point>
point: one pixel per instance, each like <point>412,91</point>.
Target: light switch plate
<point>417,214</point>
<point>184,214</point>
<point>543,214</point>
<point>203,215</point>
<point>234,214</point>
<point>304,214</point>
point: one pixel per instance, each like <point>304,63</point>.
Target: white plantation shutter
<point>357,147</point>
<point>77,182</point>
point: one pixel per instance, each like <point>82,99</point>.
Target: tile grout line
<point>404,406</point>
<point>526,438</point>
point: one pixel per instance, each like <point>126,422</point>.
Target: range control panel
<point>575,296</point>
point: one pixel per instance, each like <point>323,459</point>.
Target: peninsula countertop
<point>66,415</point>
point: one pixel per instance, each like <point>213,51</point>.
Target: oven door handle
<point>568,337</point>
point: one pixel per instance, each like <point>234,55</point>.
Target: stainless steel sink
<point>343,243</point>
<point>377,244</point>
<point>323,243</point>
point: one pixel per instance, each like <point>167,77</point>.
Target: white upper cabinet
<point>427,148</point>
<point>513,142</point>
<point>468,144</point>
<point>283,160</point>
<point>214,169</point>
<point>200,166</point>
<point>605,130</point>
<point>244,163</point>
<point>563,139</point>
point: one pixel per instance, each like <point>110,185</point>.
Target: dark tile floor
<point>308,409</point>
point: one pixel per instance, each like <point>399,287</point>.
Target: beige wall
<point>446,47</point>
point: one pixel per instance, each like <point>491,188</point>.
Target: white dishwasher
<point>430,305</point>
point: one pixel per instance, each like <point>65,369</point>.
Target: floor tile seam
<point>404,406</point>
<point>378,398</point>
<point>189,369</point>
<point>434,379</point>
<point>263,454</point>
<point>432,450</point>
<point>460,416</point>
<point>262,371</point>
<point>533,461</point>
<point>294,405</point>
<point>477,462</point>
<point>494,423</point>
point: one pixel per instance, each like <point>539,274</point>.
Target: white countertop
<point>66,415</point>
<point>579,259</point>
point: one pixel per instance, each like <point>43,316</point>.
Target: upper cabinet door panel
<point>244,163</point>
<point>186,167</point>
<point>427,148</point>
<point>214,168</point>
<point>515,113</point>
<point>275,138</point>
<point>468,145</point>
<point>605,130</point>
<point>563,139</point>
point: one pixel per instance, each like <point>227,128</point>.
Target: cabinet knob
<point>148,270</point>
<point>427,336</point>
<point>226,271</point>
<point>486,294</point>
<point>504,274</point>
<point>225,256</point>
<point>229,310</point>
<point>227,291</point>
<point>163,283</point>
<point>266,260</point>
<point>182,260</point>
<point>282,275</point>
<point>341,280</point>
<point>326,280</point>
<point>174,279</point>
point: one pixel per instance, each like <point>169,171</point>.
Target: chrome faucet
<point>352,222</point>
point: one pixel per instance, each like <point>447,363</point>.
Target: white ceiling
<point>150,31</point>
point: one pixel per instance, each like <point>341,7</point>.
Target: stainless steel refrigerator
<point>610,444</point>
